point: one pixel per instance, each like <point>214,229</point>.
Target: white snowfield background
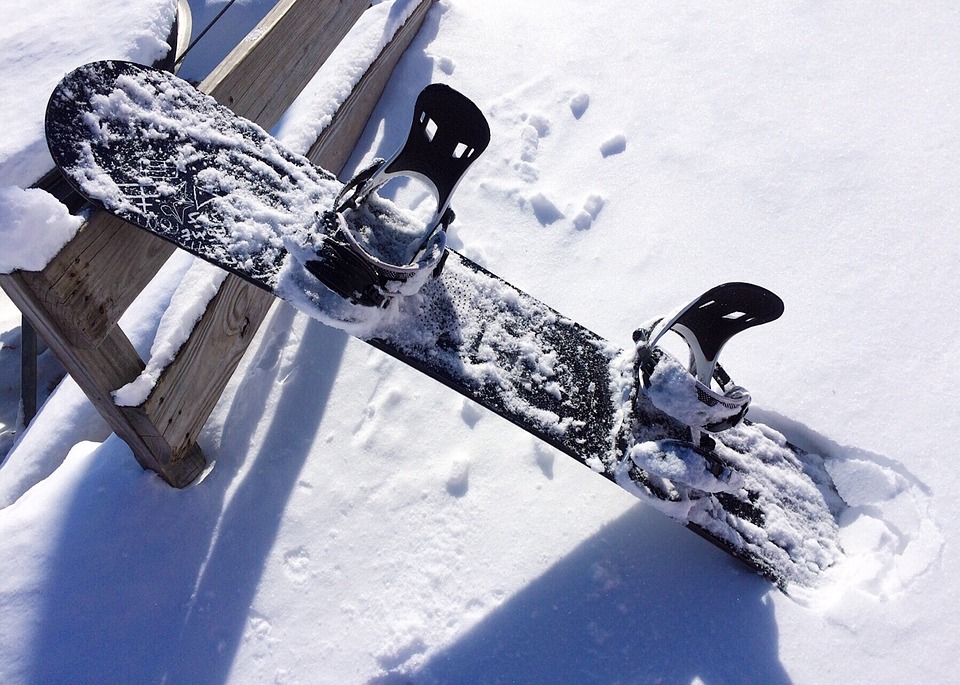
<point>361,523</point>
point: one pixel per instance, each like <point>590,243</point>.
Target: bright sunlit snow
<point>361,523</point>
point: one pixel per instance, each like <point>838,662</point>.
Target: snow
<point>361,523</point>
<point>187,305</point>
<point>42,44</point>
<point>319,101</point>
<point>673,390</point>
<point>684,466</point>
<point>33,228</point>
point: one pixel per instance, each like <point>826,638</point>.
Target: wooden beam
<point>335,145</point>
<point>96,277</point>
<point>98,371</point>
<point>190,386</point>
<point>266,71</point>
<point>119,367</point>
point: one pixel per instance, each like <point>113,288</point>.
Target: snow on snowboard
<point>151,149</point>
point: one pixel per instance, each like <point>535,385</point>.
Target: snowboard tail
<point>150,149</point>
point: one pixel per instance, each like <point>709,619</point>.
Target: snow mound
<point>34,226</point>
<point>889,533</point>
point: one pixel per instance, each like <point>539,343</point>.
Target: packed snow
<point>673,389</point>
<point>33,228</point>
<point>360,523</point>
<point>187,305</point>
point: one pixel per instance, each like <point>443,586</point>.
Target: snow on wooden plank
<point>334,146</point>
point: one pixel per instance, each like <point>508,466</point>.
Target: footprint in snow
<point>258,629</point>
<point>529,147</point>
<point>544,209</point>
<point>458,480</point>
<point>471,412</point>
<point>400,649</point>
<point>444,64</point>
<point>591,209</point>
<point>889,534</point>
<point>539,123</point>
<point>613,145</point>
<point>544,457</point>
<point>532,127</point>
<point>578,104</point>
<point>296,564</point>
<point>535,127</point>
<point>377,410</point>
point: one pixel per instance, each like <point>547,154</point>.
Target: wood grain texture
<point>96,276</point>
<point>191,385</point>
<point>98,370</point>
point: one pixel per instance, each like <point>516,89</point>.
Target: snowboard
<point>151,149</point>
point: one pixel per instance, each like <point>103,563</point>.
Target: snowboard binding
<point>687,392</point>
<point>447,134</point>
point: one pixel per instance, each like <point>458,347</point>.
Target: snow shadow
<point>642,601</point>
<point>151,584</point>
<point>237,21</point>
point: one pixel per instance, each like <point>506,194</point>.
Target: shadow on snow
<point>153,585</point>
<point>626,606</point>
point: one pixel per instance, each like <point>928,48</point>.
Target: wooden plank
<point>117,368</point>
<point>95,277</point>
<point>335,144</point>
<point>191,385</point>
<point>265,72</point>
<point>99,370</point>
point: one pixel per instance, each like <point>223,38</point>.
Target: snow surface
<point>187,305</point>
<point>360,523</point>
<point>33,228</point>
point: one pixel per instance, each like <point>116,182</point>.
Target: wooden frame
<point>74,303</point>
